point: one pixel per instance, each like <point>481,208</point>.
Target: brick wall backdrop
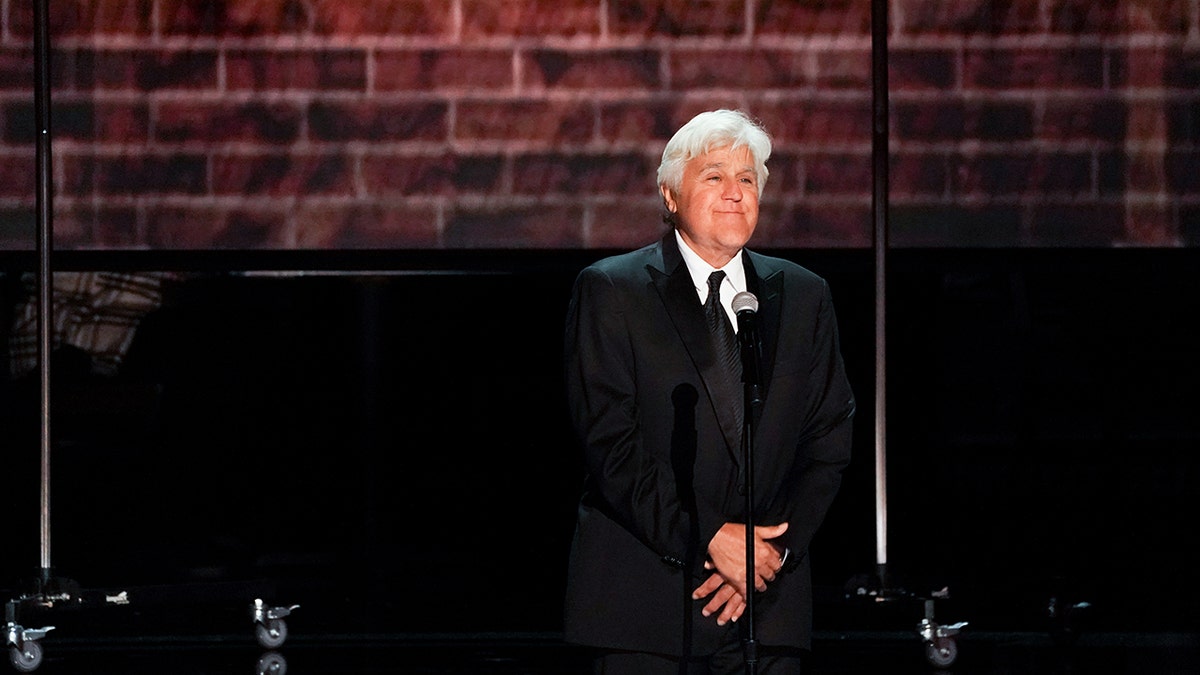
<point>279,124</point>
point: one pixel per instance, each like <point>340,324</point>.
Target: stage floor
<point>876,653</point>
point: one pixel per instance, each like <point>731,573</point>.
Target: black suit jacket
<point>661,451</point>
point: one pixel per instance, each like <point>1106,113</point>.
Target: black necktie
<point>724,339</point>
<point>725,343</point>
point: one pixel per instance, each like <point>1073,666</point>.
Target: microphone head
<point>745,302</point>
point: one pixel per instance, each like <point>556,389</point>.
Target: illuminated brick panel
<point>402,124</point>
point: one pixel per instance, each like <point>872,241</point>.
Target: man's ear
<point>668,198</point>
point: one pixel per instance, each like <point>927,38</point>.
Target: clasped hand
<point>726,587</point>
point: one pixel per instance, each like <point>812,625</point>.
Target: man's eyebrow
<point>746,168</point>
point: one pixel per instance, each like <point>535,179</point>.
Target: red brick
<point>938,121</point>
<point>968,16</point>
<point>436,174</point>
<point>1071,68</point>
<point>1145,172</point>
<point>136,174</point>
<point>518,226</point>
<point>120,122</point>
<point>16,70</point>
<point>225,122</point>
<point>281,174</point>
<point>82,18</point>
<point>989,175</point>
<point>738,69</point>
<point>325,70</point>
<point>18,175</point>
<point>366,226</point>
<point>816,121</point>
<point>1150,225</point>
<point>1117,17</point>
<point>1110,178</point>
<point>377,122</point>
<point>116,228</point>
<point>240,18</point>
<point>78,171</point>
<point>843,68</point>
<point>913,174</point>
<point>525,120</point>
<point>639,122</point>
<point>1182,69</point>
<point>144,70</point>
<point>565,18</point>
<point>786,173</point>
<point>832,226</point>
<point>434,69</point>
<point>917,69</point>
<point>98,226</point>
<point>677,17</point>
<point>837,174</point>
<point>71,232</point>
<point>830,17</point>
<point>86,120</point>
<point>1144,68</point>
<point>928,120</point>
<point>619,174</point>
<point>626,224</point>
<point>610,69</point>
<point>769,69</point>
<point>383,17</point>
<point>206,227</point>
<point>1096,120</point>
<point>69,120</point>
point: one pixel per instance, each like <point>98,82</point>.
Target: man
<point>657,578</point>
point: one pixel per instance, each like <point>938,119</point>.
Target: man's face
<point>716,207</point>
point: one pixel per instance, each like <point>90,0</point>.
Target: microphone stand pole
<point>751,401</point>
<point>751,642</point>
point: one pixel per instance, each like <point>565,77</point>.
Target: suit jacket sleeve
<point>635,489</point>
<point>823,450</point>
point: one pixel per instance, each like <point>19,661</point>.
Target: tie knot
<point>714,281</point>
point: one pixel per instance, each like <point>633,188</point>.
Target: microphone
<point>745,307</point>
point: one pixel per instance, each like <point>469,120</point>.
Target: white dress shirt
<point>734,282</point>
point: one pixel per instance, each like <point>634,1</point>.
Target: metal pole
<point>879,205</point>
<point>45,242</point>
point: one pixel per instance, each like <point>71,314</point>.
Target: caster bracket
<point>263,613</point>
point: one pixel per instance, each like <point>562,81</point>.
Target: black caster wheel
<point>27,658</point>
<point>272,663</point>
<point>941,652</point>
<point>271,634</point>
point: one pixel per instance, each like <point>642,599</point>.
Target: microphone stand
<point>750,349</point>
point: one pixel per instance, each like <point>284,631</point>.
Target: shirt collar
<point>735,270</point>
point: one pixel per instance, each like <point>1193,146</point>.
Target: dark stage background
<point>388,446</point>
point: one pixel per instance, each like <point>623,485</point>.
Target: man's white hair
<point>710,131</point>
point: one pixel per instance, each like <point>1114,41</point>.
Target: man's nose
<point>732,191</point>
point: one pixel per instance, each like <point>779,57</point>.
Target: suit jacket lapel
<point>678,294</point>
<point>769,291</point>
